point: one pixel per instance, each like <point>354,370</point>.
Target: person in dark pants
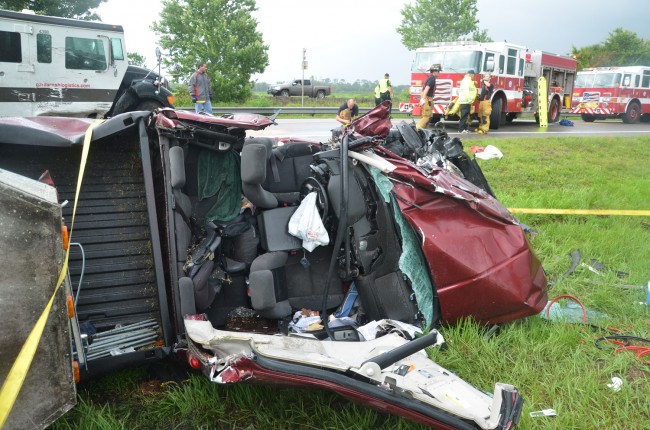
<point>426,98</point>
<point>385,88</point>
<point>466,96</point>
<point>377,96</point>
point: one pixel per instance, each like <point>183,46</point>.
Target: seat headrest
<point>177,167</point>
<point>253,163</point>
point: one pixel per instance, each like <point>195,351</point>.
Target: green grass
<point>554,364</point>
<point>266,100</point>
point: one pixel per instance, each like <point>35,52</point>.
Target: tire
<point>284,93</point>
<point>588,118</point>
<point>150,105</point>
<point>510,117</point>
<point>125,103</point>
<point>320,94</point>
<point>554,112</point>
<point>632,114</point>
<point>496,115</point>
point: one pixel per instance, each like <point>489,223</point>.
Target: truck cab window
<point>627,79</point>
<point>488,64</point>
<point>118,51</point>
<point>10,48</point>
<point>512,61</point>
<point>44,48</point>
<point>645,83</point>
<point>84,54</point>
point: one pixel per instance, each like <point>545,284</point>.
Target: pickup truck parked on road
<point>295,88</point>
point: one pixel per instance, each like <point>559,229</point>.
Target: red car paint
<point>478,254</point>
<point>245,121</point>
<point>244,369</point>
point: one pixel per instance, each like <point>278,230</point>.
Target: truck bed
<point>119,285</point>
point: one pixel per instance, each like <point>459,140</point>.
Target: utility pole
<point>304,67</point>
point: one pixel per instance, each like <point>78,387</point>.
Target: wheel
<point>588,118</point>
<point>496,115</point>
<point>554,112</point>
<point>284,93</point>
<point>150,105</point>
<point>510,117</point>
<point>320,94</point>
<point>632,114</point>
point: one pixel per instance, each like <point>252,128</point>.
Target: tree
<point>622,48</point>
<point>439,21</point>
<point>222,33</point>
<point>136,59</point>
<point>79,9</point>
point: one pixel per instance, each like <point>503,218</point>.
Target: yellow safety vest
<point>467,91</point>
<point>383,85</point>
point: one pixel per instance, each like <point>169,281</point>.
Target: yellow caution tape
<point>580,212</point>
<point>16,377</point>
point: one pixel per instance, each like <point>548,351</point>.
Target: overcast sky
<point>356,39</point>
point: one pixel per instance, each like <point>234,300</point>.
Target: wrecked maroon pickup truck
<point>261,260</point>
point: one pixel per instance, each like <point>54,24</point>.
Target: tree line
<point>224,33</point>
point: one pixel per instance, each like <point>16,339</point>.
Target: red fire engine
<point>514,70</point>
<point>613,92</point>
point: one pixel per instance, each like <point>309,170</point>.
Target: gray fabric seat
<point>282,169</point>
<point>182,231</point>
<point>273,176</point>
<point>182,202</point>
<point>280,284</point>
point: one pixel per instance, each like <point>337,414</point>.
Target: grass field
<point>555,364</point>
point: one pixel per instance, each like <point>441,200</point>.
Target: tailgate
<point>31,256</point>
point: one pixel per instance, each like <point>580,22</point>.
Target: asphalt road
<point>319,129</point>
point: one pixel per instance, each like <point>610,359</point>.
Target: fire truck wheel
<point>632,114</point>
<point>495,116</point>
<point>588,118</point>
<point>554,112</point>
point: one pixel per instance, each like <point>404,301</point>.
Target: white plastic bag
<point>489,152</point>
<point>305,223</point>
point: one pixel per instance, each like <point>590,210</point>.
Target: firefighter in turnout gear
<point>485,105</point>
<point>426,98</point>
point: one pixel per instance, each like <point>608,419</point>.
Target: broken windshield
<point>451,61</point>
